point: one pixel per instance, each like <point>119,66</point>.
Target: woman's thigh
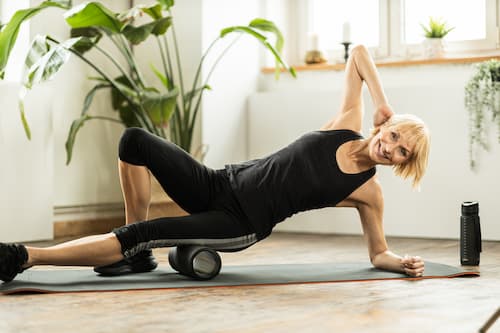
<point>188,182</point>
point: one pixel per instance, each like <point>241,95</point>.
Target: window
<point>474,22</point>
<point>388,27</point>
<point>335,20</point>
<point>466,16</point>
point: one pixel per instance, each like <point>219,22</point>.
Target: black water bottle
<point>470,234</point>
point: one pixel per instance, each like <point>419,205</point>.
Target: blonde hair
<point>417,133</point>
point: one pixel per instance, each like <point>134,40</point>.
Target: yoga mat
<point>77,280</point>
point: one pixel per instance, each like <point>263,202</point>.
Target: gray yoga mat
<point>77,280</point>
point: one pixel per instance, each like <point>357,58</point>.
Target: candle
<point>346,32</point>
<point>313,42</point>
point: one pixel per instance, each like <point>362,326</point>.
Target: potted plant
<point>434,32</point>
<point>170,112</point>
<point>482,101</point>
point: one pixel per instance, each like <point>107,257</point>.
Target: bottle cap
<point>470,208</point>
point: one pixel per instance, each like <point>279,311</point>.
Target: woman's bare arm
<point>371,215</point>
<point>360,67</point>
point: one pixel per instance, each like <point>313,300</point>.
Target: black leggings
<point>216,219</point>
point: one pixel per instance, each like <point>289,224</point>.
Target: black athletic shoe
<point>140,263</point>
<point>12,259</point>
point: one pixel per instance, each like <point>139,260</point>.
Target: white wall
<point>287,108</point>
<point>26,191</point>
<point>91,178</point>
<point>235,77</point>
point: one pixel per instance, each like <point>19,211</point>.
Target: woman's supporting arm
<point>371,214</point>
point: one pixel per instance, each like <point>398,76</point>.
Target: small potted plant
<point>482,101</point>
<point>434,33</point>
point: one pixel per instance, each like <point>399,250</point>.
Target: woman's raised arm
<point>360,67</point>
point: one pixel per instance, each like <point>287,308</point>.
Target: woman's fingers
<point>418,272</point>
<point>413,266</point>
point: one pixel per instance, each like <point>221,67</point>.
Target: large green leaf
<point>154,11</point>
<point>261,38</point>
<point>90,37</point>
<point>269,26</point>
<point>124,86</point>
<point>166,4</point>
<point>93,14</point>
<point>128,115</point>
<point>76,125</point>
<point>120,103</point>
<point>160,107</point>
<point>162,26</point>
<point>39,47</point>
<point>49,64</point>
<point>138,34</point>
<point>161,77</point>
<point>193,93</point>
<point>10,31</point>
<point>22,94</point>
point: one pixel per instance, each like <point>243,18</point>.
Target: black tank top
<point>302,176</point>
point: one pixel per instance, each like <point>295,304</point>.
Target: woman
<point>233,208</point>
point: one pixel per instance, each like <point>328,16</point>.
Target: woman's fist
<point>413,266</point>
<point>382,114</point>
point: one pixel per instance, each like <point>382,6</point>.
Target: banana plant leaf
<point>160,107</point>
<point>126,110</point>
<point>91,36</point>
<point>45,61</point>
<point>49,64</point>
<point>154,11</point>
<point>93,14</point>
<point>269,26</point>
<point>77,124</point>
<point>10,31</point>
<point>193,93</point>
<point>39,47</point>
<point>166,4</point>
<point>164,80</point>
<point>137,35</point>
<point>261,38</point>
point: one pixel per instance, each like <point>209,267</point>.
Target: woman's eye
<point>404,152</point>
<point>394,136</point>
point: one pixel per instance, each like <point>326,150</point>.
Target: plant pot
<point>433,48</point>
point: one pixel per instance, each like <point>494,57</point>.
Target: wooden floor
<point>438,305</point>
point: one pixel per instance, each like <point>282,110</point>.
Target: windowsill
<point>399,62</point>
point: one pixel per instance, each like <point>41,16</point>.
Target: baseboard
<point>69,224</point>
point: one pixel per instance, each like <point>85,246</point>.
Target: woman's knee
<point>129,148</point>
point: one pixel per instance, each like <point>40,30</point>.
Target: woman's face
<point>390,146</point>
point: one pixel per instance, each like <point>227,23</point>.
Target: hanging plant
<point>482,94</point>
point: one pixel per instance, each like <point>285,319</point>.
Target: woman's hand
<point>413,266</point>
<point>382,114</point>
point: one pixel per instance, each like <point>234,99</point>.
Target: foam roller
<point>198,262</point>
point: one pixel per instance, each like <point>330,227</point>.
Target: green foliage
<point>9,32</point>
<point>136,103</point>
<point>482,101</point>
<point>436,28</point>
